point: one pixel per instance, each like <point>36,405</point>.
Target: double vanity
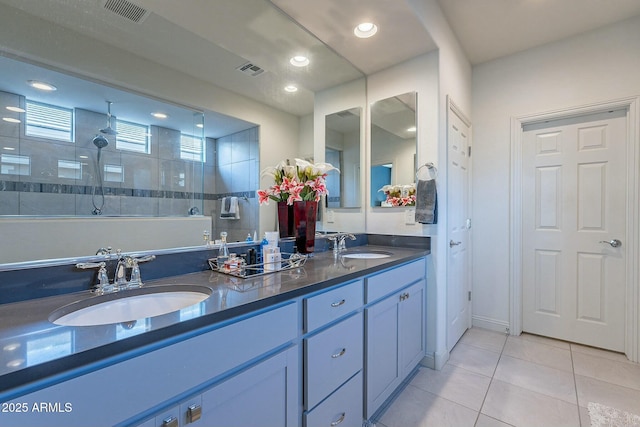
<point>325,344</point>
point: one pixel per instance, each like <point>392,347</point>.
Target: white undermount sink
<point>126,306</point>
<point>367,255</point>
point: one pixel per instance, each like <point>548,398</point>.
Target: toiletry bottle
<point>251,261</point>
<point>223,252</point>
<point>264,244</point>
<point>248,239</point>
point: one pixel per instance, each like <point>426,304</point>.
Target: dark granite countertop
<point>33,348</point>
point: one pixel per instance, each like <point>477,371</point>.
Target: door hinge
<point>469,295</point>
<point>469,149</point>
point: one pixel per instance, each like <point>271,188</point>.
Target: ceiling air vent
<point>250,69</point>
<point>126,9</point>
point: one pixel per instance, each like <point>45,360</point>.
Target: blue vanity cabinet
<point>266,394</point>
<point>214,363</point>
<point>394,327</point>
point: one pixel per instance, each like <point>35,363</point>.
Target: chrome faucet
<point>120,282</point>
<point>339,241</point>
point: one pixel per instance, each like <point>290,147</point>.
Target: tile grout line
<point>575,384</point>
<point>491,381</point>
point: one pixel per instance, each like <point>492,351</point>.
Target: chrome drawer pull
<point>170,422</point>
<point>342,352</point>
<point>339,420</point>
<point>337,304</point>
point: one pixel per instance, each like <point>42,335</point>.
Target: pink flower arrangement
<point>399,195</point>
<point>303,182</point>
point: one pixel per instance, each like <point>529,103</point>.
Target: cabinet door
<point>411,327</point>
<point>382,374</point>
<point>266,394</point>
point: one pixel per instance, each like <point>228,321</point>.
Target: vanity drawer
<point>331,305</point>
<point>390,281</point>
<point>343,408</point>
<point>332,357</point>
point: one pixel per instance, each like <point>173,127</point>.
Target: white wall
<point>420,75</point>
<point>39,41</point>
<point>454,81</point>
<point>598,66</point>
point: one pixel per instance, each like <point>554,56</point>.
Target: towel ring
<point>430,167</point>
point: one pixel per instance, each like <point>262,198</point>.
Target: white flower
<point>315,169</point>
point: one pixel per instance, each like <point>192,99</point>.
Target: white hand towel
<point>229,208</point>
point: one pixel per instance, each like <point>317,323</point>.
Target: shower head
<point>100,142</point>
<point>108,130</point>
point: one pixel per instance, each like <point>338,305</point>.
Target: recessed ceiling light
<point>12,346</point>
<point>42,85</point>
<point>291,88</point>
<point>159,115</point>
<point>16,109</point>
<point>365,30</point>
<point>10,120</point>
<point>299,61</point>
<point>9,148</point>
<point>411,129</point>
<point>15,363</point>
<point>84,157</point>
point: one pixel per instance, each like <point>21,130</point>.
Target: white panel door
<point>458,278</point>
<point>574,192</point>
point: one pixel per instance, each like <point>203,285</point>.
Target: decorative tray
<point>289,261</point>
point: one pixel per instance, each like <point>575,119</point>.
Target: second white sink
<point>366,255</point>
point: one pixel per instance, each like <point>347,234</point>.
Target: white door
<point>573,204</point>
<point>458,277</point>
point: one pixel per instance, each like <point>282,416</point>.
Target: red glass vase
<point>299,221</point>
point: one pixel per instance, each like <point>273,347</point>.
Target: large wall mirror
<point>393,150</point>
<point>342,149</point>
<point>199,64</point>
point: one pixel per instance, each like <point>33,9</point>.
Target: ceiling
<point>489,29</point>
<point>210,39</point>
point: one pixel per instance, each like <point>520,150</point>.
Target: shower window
<point>192,148</point>
<point>49,121</point>
<point>132,137</point>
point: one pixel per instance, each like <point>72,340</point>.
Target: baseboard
<point>490,324</point>
<point>435,360</point>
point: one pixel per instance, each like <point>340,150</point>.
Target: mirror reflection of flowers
<point>399,195</point>
<point>303,182</point>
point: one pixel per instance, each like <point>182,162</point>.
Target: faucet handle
<point>86,265</point>
<point>135,281</point>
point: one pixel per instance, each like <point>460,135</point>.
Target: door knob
<point>615,243</point>
<point>452,243</point>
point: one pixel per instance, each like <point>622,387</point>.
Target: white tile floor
<point>494,380</point>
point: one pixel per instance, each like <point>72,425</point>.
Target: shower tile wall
<point>155,184</point>
<point>237,174</point>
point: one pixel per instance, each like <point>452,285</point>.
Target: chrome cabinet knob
<point>615,243</point>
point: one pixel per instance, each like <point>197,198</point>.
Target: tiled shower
<point>48,177</point>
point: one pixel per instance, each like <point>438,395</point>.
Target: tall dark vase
<point>299,221</point>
